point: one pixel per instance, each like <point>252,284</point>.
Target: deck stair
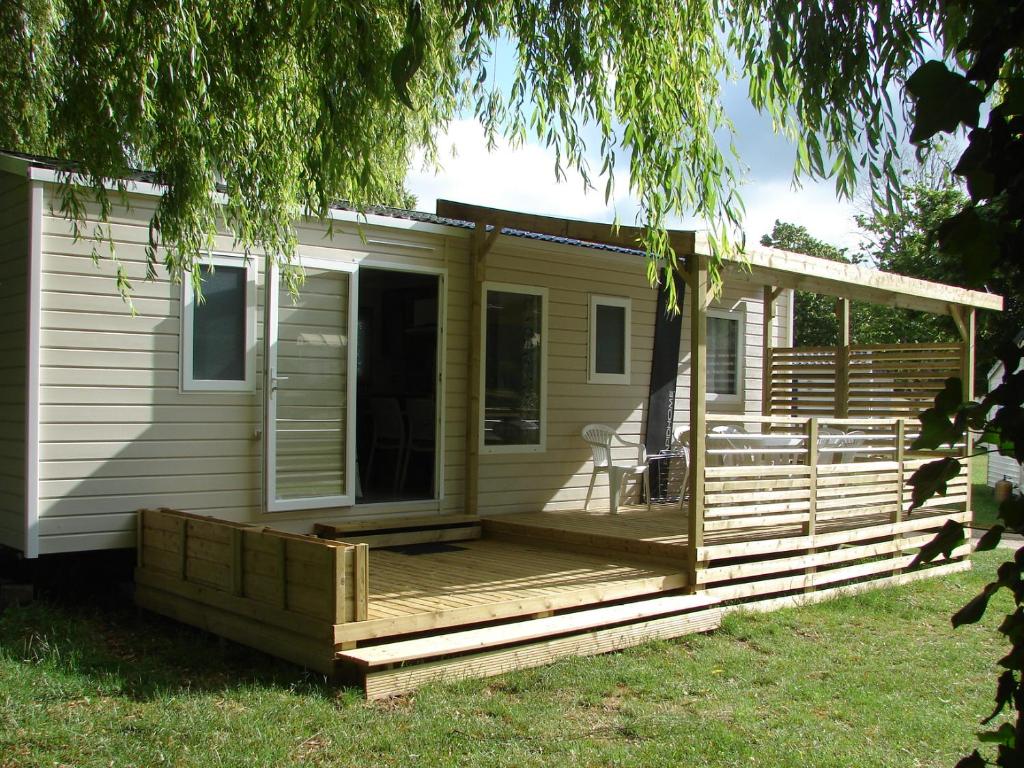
<point>402,531</point>
<point>401,666</point>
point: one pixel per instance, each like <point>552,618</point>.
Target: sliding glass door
<point>310,385</point>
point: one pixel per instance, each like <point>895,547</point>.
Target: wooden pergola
<point>775,269</point>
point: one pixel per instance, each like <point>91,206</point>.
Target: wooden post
<point>901,449</point>
<point>698,280</point>
<point>237,562</point>
<point>282,568</point>
<point>967,378</point>
<point>183,540</point>
<point>767,342</point>
<point>337,590</point>
<point>361,582</point>
<point>480,244</point>
<point>842,405</point>
<point>140,524</point>
<point>812,490</point>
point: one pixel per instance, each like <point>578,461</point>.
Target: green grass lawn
<point>878,679</point>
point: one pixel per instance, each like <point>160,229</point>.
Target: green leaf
<point>931,479</point>
<point>974,239</point>
<point>944,100</point>
<point>951,396</point>
<point>936,429</point>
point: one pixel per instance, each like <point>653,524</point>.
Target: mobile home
<point>397,449</point>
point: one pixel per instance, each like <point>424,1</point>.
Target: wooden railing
<point>283,593</point>
<point>860,380</point>
<point>812,503</point>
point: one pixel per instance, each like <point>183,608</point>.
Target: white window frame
<point>188,303</point>
<point>593,377</point>
<point>528,290</point>
<point>740,316</point>
<point>348,498</point>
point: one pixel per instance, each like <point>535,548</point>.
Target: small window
<point>513,369</point>
<point>725,356</point>
<point>609,351</point>
<point>219,332</point>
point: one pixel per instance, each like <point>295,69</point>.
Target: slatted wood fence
<point>280,592</point>
<point>860,380</point>
<point>823,505</point>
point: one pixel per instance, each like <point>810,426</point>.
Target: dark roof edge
<point>148,177</point>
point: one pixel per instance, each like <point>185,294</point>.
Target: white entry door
<point>310,385</point>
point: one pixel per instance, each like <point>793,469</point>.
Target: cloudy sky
<point>523,179</point>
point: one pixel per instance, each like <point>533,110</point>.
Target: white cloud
<point>519,179</point>
<point>523,179</point>
<point>814,206</point>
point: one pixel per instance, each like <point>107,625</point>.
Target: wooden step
<point>603,543</point>
<point>402,666</point>
<point>402,531</point>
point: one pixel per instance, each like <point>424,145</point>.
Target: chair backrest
<point>421,421</point>
<point>388,426</point>
<point>599,438</point>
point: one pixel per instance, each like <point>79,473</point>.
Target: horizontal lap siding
<point>557,478</point>
<point>14,252</point>
<point>116,434</point>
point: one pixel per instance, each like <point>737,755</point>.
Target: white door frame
<point>442,373</point>
<point>273,504</point>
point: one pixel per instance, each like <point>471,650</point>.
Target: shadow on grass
<point>83,622</point>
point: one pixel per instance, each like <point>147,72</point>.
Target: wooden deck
<point>394,604</point>
<point>416,588</point>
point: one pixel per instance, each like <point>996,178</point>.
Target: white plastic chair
<point>420,438</point>
<point>835,446</point>
<point>599,437</point>
<point>681,445</point>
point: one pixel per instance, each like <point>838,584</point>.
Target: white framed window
<point>609,350</point>
<point>725,361</point>
<point>218,334</point>
<point>513,368</point>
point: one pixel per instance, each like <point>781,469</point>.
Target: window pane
<point>723,355</point>
<point>610,344</point>
<point>218,326</point>
<point>512,369</point>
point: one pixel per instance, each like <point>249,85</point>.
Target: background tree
<point>288,106</point>
<point>814,317</point>
<point>902,240</point>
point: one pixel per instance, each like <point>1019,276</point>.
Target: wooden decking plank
<point>400,680</point>
<point>356,631</point>
<point>476,639</point>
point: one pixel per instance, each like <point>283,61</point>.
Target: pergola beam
<point>852,281</point>
<point>682,241</point>
<point>481,244</point>
<point>698,281</point>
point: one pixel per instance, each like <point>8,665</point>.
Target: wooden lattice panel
<point>882,380</point>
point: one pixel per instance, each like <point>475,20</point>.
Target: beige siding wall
<point>116,432</point>
<point>14,253</point>
<point>558,477</point>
